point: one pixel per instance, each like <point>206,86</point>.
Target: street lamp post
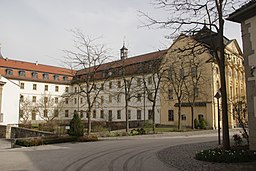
<point>218,96</point>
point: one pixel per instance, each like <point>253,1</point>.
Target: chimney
<point>123,52</point>
<point>1,56</point>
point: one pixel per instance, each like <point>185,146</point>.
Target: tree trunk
<point>225,131</point>
<point>192,116</point>
<point>153,117</point>
<point>126,118</point>
<point>89,128</point>
<point>179,111</point>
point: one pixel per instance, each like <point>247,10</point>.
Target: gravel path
<point>182,158</point>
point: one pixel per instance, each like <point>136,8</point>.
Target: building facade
<point>246,15</point>
<point>144,87</point>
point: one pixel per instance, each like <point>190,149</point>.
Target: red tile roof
<point>28,66</point>
<point>17,66</point>
<point>127,61</point>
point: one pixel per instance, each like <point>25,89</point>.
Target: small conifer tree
<point>76,126</point>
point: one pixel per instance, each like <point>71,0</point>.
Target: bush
<point>237,139</point>
<point>202,123</point>
<point>226,156</point>
<point>196,123</point>
<point>36,141</point>
<point>88,138</point>
<point>76,126</point>
<point>138,131</point>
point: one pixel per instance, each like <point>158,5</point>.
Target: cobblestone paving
<point>182,158</point>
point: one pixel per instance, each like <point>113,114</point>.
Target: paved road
<point>111,155</point>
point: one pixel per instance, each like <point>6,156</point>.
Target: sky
<point>38,30</point>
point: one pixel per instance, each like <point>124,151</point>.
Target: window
<point>110,115</point>
<point>110,98</point>
<point>56,100</point>
<point>196,91</point>
<point>75,89</point>
<point>170,94</point>
<point>194,72</point>
<point>102,86</point>
<point>138,114</point>
<point>46,99</point>
<point>182,73</point>
<point>34,74</point>
<point>34,99</point>
<point>200,116</point>
<point>33,115</point>
<point>138,82</point>
<point>81,113</point>
<point>66,89</point>
<point>74,100</point>
<point>46,87</point>
<point>22,73</point>
<point>150,95</point>
<point>81,100</point>
<point>45,76</point>
<point>139,97</point>
<point>45,113</point>
<point>56,77</point>
<point>102,114</point>
<point>183,117</point>
<point>118,114</point>
<point>94,114</point>
<point>118,98</point>
<point>66,113</point>
<point>110,85</point>
<point>1,117</point>
<point>56,113</point>
<point>119,84</point>
<point>150,114</point>
<point>34,86</point>
<point>21,98</point>
<point>65,78</point>
<point>66,100</point>
<point>22,85</point>
<point>150,80</point>
<point>170,72</point>
<point>9,72</point>
<point>170,115</point>
<point>101,99</point>
<point>21,113</point>
<point>129,114</point>
<point>94,87</point>
<point>56,88</point>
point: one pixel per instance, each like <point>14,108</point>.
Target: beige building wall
<point>249,44</point>
<point>209,86</point>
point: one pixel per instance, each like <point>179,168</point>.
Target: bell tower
<point>123,52</point>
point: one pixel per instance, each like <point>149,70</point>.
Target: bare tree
<point>49,107</point>
<point>88,56</point>
<point>26,108</point>
<point>152,81</point>
<point>187,16</point>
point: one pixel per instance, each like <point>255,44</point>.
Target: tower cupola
<point>123,52</point>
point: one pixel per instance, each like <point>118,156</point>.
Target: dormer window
<point>45,76</point>
<point>22,73</point>
<point>65,78</point>
<point>34,74</point>
<point>9,72</point>
<point>56,77</point>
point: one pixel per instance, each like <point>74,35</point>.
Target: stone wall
<point>2,131</point>
<point>24,133</point>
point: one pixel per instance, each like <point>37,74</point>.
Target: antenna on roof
<point>1,56</point>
